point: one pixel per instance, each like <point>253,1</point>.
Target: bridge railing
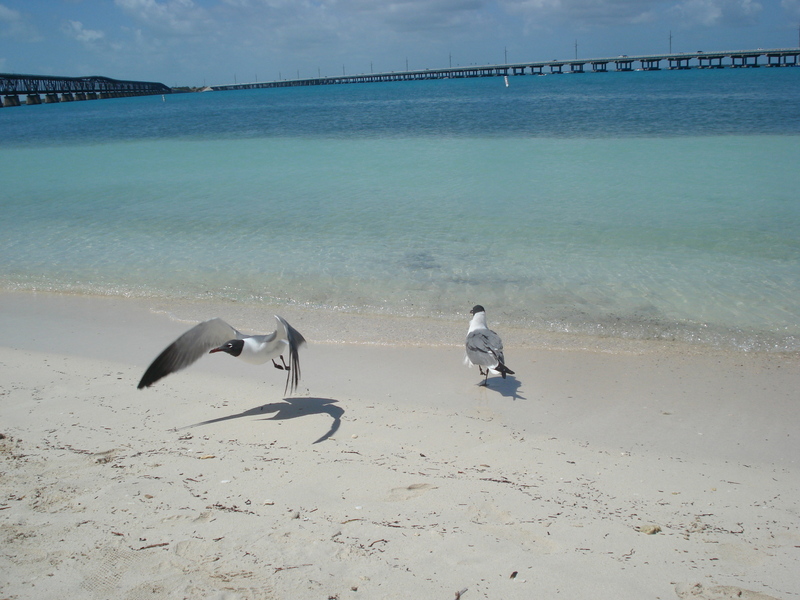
<point>779,57</point>
<point>72,88</point>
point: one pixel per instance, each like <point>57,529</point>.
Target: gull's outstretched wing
<point>188,348</point>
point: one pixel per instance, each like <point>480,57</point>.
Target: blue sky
<point>196,42</point>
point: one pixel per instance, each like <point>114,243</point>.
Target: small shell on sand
<point>650,529</point>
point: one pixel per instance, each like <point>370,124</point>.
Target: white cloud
<point>180,17</point>
<point>13,24</point>
<point>588,12</point>
<point>621,12</point>
<point>792,7</point>
<point>9,15</point>
<point>419,15</point>
<point>76,30</point>
<point>365,15</point>
<point>719,12</point>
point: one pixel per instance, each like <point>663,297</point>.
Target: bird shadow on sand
<point>508,387</point>
<point>290,408</point>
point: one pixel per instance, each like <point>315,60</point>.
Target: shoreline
<point>389,474</point>
<point>348,327</point>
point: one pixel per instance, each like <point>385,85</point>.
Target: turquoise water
<point>624,205</point>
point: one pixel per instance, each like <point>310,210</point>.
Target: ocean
<point>646,205</point>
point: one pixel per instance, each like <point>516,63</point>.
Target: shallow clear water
<point>628,205</point>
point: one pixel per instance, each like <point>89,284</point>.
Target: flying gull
<point>484,346</point>
<point>217,336</point>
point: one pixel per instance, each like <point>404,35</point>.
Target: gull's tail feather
<point>295,339</point>
<point>503,370</point>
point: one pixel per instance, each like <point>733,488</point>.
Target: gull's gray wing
<point>295,339</point>
<point>484,348</point>
<point>188,348</point>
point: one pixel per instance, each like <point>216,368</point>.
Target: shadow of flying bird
<point>290,408</point>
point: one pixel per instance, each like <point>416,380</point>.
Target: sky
<point>211,42</point>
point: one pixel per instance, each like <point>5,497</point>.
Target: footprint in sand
<point>719,592</point>
<point>203,517</point>
<point>407,493</point>
<point>102,458</point>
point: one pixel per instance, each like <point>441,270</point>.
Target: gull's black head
<point>476,309</point>
<point>233,347</point>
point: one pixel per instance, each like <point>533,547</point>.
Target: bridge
<point>786,57</point>
<point>68,89</point>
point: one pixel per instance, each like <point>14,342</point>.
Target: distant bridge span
<point>781,57</point>
<point>68,89</point>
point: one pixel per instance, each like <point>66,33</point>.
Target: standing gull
<point>484,346</point>
<point>217,336</point>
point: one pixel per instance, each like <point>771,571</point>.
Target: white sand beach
<point>651,472</point>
